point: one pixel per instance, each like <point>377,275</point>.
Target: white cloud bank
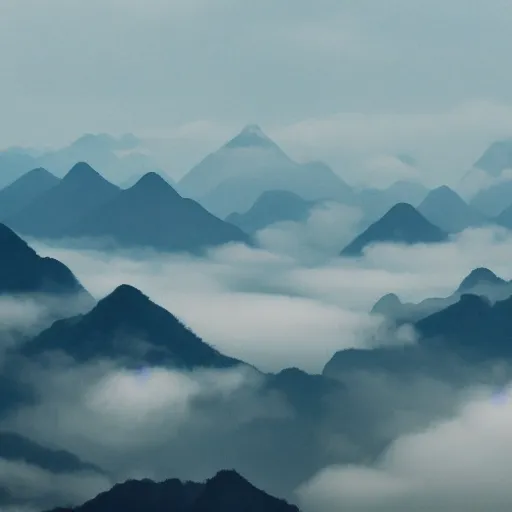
<point>457,465</point>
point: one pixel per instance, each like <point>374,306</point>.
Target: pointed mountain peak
<point>229,479</point>
<point>124,294</point>
<point>401,224</point>
<point>39,171</point>
<point>125,301</point>
<point>153,183</point>
<point>385,303</point>
<point>400,210</point>
<point>443,193</point>
<point>479,276</point>
<point>251,136</point>
<point>81,171</point>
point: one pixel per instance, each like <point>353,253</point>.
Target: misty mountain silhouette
<point>505,217</point>
<point>271,207</point>
<point>127,325</point>
<point>480,276</point>
<point>22,270</point>
<point>81,191</point>
<point>249,151</point>
<point>130,182</point>
<point>494,200</point>
<point>14,162</point>
<point>480,281</point>
<point>313,182</point>
<point>153,214</point>
<point>471,332</point>
<point>445,208</point>
<point>232,178</point>
<point>251,136</point>
<point>24,190</point>
<point>14,447</point>
<point>304,392</point>
<point>401,224</point>
<point>496,158</point>
<point>376,202</point>
<point>227,491</point>
<point>472,328</point>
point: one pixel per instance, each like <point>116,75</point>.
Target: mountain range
<point>82,190</point>
<point>480,281</point>
<point>117,157</point>
<point>152,214</point>
<point>227,491</point>
<point>85,205</point>
<point>232,178</point>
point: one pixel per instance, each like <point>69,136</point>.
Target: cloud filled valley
<point>255,258</point>
<point>275,312</point>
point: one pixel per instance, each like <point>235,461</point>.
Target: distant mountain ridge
<point>480,281</point>
<point>152,214</point>
<point>19,194</point>
<point>50,214</point>
<point>401,224</point>
<point>227,491</point>
<point>232,178</point>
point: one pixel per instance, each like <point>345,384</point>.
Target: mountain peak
<point>444,189</point>
<point>252,129</point>
<point>123,295</point>
<point>386,304</point>
<point>479,276</point>
<point>251,136</point>
<point>441,197</point>
<point>402,210</point>
<point>152,183</point>
<point>81,171</point>
<point>402,224</point>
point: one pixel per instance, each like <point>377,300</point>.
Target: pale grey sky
<point>396,71</point>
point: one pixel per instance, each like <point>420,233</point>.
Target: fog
<point>458,464</point>
<point>275,307</point>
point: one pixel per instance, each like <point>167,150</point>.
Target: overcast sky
<point>410,69</point>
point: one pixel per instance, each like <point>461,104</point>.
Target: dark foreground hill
<point>227,491</point>
<point>126,325</point>
<point>23,271</point>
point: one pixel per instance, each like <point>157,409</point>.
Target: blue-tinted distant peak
<point>81,171</point>
<point>251,136</point>
<point>479,276</point>
<point>153,183</point>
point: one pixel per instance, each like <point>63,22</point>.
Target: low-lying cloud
<point>275,310</point>
<point>454,465</point>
